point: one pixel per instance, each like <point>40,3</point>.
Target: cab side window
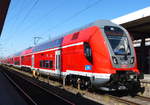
<point>88,52</point>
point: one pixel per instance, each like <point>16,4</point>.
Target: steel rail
<point>121,100</point>
<point>143,98</point>
<point>31,101</point>
<point>44,89</point>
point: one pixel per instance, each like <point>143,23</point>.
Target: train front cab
<point>114,61</point>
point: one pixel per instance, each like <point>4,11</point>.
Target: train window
<point>88,52</point>
<point>46,64</point>
<point>50,64</point>
<point>118,40</point>
<point>75,36</point>
<point>41,63</point>
<point>22,57</point>
<point>17,63</point>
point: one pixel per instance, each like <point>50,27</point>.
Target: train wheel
<point>35,74</point>
<point>74,83</point>
<point>68,80</point>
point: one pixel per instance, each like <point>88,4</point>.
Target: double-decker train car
<point>100,54</point>
<point>26,59</point>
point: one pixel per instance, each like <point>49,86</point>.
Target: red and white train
<point>100,54</point>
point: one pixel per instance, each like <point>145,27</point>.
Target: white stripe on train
<point>75,44</point>
<point>68,72</point>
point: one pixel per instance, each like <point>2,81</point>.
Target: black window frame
<point>50,64</point>
<point>46,64</point>
<point>88,52</point>
<point>75,36</point>
<point>41,63</point>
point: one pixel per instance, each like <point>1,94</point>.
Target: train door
<point>58,62</point>
<point>32,60</point>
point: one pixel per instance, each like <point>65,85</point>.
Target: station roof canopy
<point>137,23</point>
<point>4,4</point>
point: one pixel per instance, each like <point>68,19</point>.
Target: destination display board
<point>114,31</point>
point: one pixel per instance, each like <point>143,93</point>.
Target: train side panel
<point>26,60</point>
<point>17,60</point>
<point>73,56</point>
<point>45,61</point>
<point>100,53</point>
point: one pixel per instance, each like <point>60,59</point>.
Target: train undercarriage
<point>125,80</point>
<point>122,80</point>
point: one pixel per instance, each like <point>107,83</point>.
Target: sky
<point>48,19</point>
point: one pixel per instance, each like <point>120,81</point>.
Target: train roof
<point>47,45</point>
<point>27,51</point>
<point>57,42</point>
<point>23,52</point>
<point>99,23</point>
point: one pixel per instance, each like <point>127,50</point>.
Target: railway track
<point>138,100</point>
<point>35,94</point>
<point>124,100</point>
<point>28,99</point>
<point>144,98</point>
<point>146,84</point>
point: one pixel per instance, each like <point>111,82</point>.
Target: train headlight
<point>131,76</point>
<point>115,61</point>
<point>132,60</point>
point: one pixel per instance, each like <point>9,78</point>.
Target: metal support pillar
<point>142,51</point>
<point>148,58</point>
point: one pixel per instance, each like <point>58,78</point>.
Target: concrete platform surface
<point>8,93</point>
<point>147,77</point>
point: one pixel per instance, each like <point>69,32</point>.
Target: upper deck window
<point>75,36</point>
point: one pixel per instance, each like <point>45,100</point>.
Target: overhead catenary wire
<point>15,28</point>
<point>59,24</point>
<point>11,19</point>
<point>30,10</point>
<point>28,13</point>
<point>13,14</point>
<point>43,17</point>
<point>16,15</point>
<point>73,16</point>
<point>66,20</point>
<point>25,17</point>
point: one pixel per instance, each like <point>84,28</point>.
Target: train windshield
<point>118,40</point>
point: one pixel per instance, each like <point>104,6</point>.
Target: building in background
<point>138,25</point>
<point>4,4</point>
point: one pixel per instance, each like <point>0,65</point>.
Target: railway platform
<point>8,94</point>
<point>147,77</point>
